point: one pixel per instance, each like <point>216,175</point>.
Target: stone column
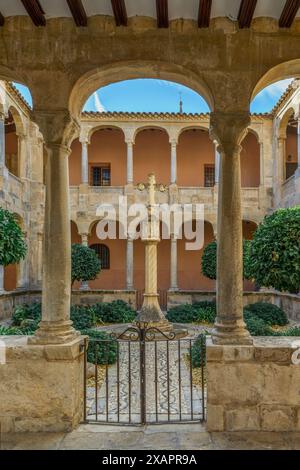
<point>262,164</point>
<point>229,129</point>
<point>84,163</point>
<point>129,264</point>
<point>281,160</point>
<point>2,142</point>
<point>173,161</point>
<point>57,128</point>
<point>22,156</point>
<point>129,162</point>
<point>1,279</point>
<point>174,282</point>
<point>298,148</point>
<point>217,163</point>
<point>84,242</point>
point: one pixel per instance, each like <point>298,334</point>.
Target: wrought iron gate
<point>144,376</point>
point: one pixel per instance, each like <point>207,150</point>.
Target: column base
<point>54,333</point>
<point>231,333</point>
<point>150,311</point>
<point>173,289</point>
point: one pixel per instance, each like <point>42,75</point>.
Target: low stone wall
<point>288,302</point>
<point>9,300</point>
<point>41,387</point>
<point>253,388</point>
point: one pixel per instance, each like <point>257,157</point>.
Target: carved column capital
<point>57,126</point>
<point>228,130</point>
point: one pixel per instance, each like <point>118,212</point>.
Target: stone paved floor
<point>162,437</point>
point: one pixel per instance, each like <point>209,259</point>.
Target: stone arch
<point>281,71</point>
<point>121,71</point>
<point>159,127</point>
<point>288,131</point>
<point>98,127</point>
<point>283,123</point>
<point>196,126</point>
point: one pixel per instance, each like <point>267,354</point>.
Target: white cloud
<point>277,89</point>
<point>98,105</point>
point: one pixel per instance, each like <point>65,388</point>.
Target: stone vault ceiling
<point>285,11</point>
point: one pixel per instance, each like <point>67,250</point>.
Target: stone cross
<point>151,188</point>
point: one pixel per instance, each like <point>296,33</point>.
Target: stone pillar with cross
<point>151,312</point>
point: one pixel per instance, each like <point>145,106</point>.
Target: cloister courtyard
<point>150,225</point>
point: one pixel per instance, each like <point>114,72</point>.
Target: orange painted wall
<point>115,277</point>
<point>250,161</point>
<point>11,148</point>
<point>152,154</point>
<point>10,277</point>
<point>194,150</point>
<point>107,146</point>
<point>292,143</point>
<point>189,265</point>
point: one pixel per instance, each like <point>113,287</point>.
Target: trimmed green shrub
<point>13,247</point>
<point>105,350</point>
<point>209,260</point>
<point>117,311</point>
<point>22,313</point>
<point>269,313</point>
<point>181,314</point>
<point>198,351</point>
<point>256,326</point>
<point>10,330</point>
<point>206,311</point>
<point>200,312</point>
<point>275,251</point>
<point>85,263</point>
<point>82,316</point>
<point>293,331</point>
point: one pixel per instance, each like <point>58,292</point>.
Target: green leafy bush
<point>25,312</point>
<point>83,316</point>
<point>85,263</point>
<point>206,311</point>
<point>198,351</point>
<point>13,247</point>
<point>10,330</point>
<point>256,326</point>
<point>275,251</point>
<point>209,260</point>
<point>117,311</point>
<point>293,331</point>
<point>200,312</point>
<point>269,313</point>
<point>104,351</point>
<point>181,314</point>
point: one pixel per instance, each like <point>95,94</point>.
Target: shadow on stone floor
<point>163,437</point>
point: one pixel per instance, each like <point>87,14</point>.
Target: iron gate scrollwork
<point>144,375</point>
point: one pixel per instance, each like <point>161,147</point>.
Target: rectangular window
<point>209,176</point>
<point>100,175</point>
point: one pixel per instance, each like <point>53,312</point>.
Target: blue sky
<point>150,95</point>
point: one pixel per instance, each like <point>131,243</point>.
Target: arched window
<point>103,254</point>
